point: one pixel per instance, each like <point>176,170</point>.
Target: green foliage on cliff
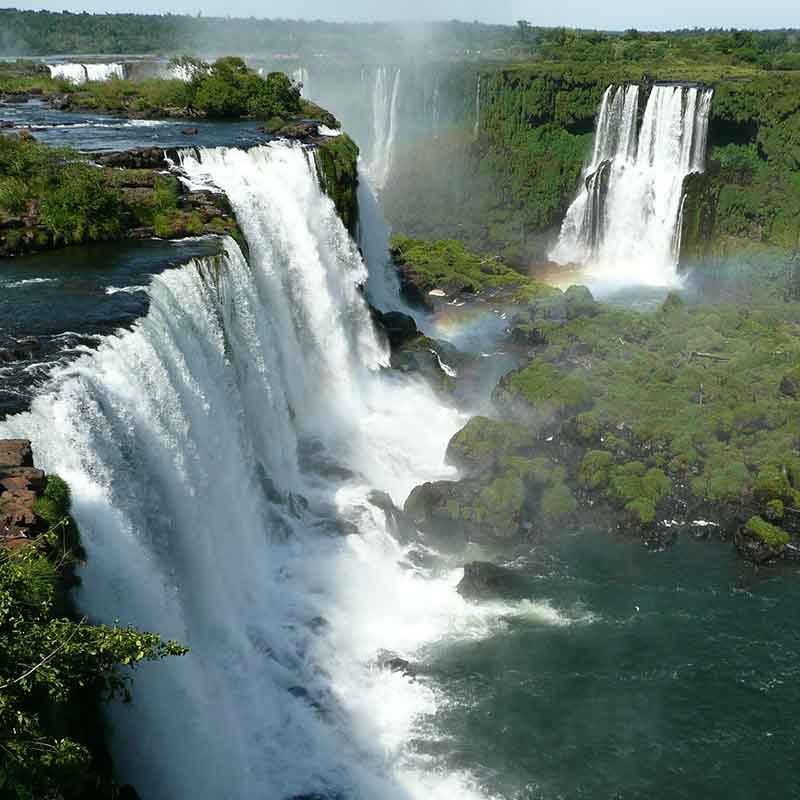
<point>337,166</point>
<point>751,190</point>
<point>54,669</point>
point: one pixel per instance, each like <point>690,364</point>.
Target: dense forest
<point>44,32</point>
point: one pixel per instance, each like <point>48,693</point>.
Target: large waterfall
<point>80,73</point>
<point>625,222</point>
<point>221,454</point>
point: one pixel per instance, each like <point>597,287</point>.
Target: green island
<point>54,196</point>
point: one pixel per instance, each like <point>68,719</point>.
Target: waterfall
<point>476,129</point>
<point>624,222</point>
<point>384,124</point>
<point>80,73</point>
<point>300,75</point>
<point>435,102</point>
<point>221,455</point>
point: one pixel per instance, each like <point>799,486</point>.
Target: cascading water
<point>221,455</point>
<point>80,73</point>
<point>384,124</point>
<point>300,75</point>
<point>477,127</point>
<point>624,221</point>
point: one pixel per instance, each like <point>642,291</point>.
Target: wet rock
<point>483,579</point>
<point>488,512</point>
<point>301,130</point>
<point>61,102</point>
<point>22,479</point>
<point>15,453</point>
<point>760,541</point>
<point>394,663</point>
<point>189,131</point>
<point>400,328</point>
<point>6,123</point>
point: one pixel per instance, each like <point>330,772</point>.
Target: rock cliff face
<point>502,180</point>
<point>21,484</point>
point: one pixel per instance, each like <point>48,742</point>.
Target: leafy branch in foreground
<point>54,670</point>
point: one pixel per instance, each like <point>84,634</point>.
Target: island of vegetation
<point>50,197</point>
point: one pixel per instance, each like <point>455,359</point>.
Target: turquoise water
<point>667,674</point>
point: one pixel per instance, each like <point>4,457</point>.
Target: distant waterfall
<point>625,221</point>
<point>384,124</point>
<point>80,73</point>
<point>300,75</point>
<point>476,129</point>
<point>221,455</point>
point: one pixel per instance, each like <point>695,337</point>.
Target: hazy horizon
<point>571,13</point>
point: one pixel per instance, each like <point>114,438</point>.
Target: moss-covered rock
<point>760,541</point>
<point>544,389</point>
<point>337,165</point>
<point>483,442</point>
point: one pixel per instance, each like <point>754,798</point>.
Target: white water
<point>80,73</point>
<point>182,440</point>
<point>300,75</point>
<point>476,129</point>
<point>385,90</point>
<point>624,223</point>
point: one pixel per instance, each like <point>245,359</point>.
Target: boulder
<point>394,663</point>
<point>760,541</point>
<point>483,510</point>
<point>790,384</point>
<point>189,131</point>
<point>579,302</point>
<point>22,478</point>
<point>15,453</point>
<point>400,328</point>
<point>482,580</point>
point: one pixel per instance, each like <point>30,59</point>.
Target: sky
<point>614,15</point>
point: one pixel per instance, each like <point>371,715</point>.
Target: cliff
<point>502,179</point>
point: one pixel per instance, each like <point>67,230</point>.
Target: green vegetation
<point>450,266</point>
<point>52,197</point>
<point>224,89</point>
<point>337,166</point>
<point>72,200</point>
<point>545,389</point>
<point>769,534</point>
<point>506,191</point>
<point>55,669</point>
<point>635,414</point>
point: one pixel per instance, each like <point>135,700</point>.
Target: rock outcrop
<point>21,484</point>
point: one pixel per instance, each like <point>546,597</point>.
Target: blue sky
<point>584,13</point>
